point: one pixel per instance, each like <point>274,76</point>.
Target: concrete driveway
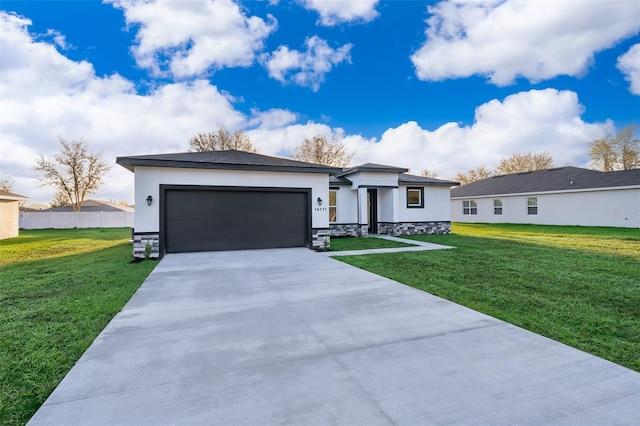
<point>289,336</point>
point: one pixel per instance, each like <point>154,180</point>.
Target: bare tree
<point>221,140</point>
<point>621,152</point>
<point>319,150</point>
<point>629,148</point>
<point>473,175</point>
<point>603,154</point>
<point>7,184</point>
<point>524,162</point>
<point>428,173</point>
<point>74,172</point>
<point>60,198</point>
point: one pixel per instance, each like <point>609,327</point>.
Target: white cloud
<point>117,121</point>
<point>334,12</point>
<point>629,64</point>
<point>306,68</point>
<point>534,39</point>
<point>283,141</point>
<point>72,102</point>
<point>272,119</point>
<point>546,120</point>
<point>58,39</point>
<point>190,38</point>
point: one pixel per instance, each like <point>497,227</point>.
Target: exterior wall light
<point>149,200</point>
<point>319,201</point>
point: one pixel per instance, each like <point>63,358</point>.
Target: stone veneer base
<point>348,230</point>
<point>414,228</point>
<point>320,239</point>
<point>140,242</point>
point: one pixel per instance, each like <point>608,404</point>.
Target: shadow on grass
<point>36,245</point>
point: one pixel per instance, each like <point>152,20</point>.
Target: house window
<point>469,207</point>
<point>532,205</point>
<point>415,197</point>
<point>333,206</point>
<point>497,207</point>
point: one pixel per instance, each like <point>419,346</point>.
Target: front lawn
<point>363,243</point>
<point>58,290</point>
<point>576,285</point>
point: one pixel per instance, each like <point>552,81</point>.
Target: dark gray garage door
<point>209,220</point>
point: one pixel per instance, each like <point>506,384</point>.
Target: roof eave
<point>371,169</point>
<point>444,183</point>
<point>130,164</point>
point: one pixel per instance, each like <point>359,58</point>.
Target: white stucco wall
<point>373,179</point>
<point>392,205</point>
<point>612,207</point>
<point>436,205</point>
<point>8,219</point>
<point>387,199</point>
<point>149,179</point>
<point>347,205</point>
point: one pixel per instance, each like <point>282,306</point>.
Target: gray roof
<point>88,206</point>
<point>403,179</point>
<point>6,195</point>
<point>556,179</point>
<point>227,160</point>
<point>372,167</point>
<point>406,179</point>
<point>334,181</point>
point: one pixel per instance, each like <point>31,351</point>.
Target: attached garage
<point>212,218</point>
<point>227,200</point>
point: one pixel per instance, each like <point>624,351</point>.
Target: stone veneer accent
<point>140,242</point>
<point>348,230</point>
<point>414,228</point>
<point>320,239</point>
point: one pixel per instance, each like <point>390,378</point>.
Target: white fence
<point>66,220</point>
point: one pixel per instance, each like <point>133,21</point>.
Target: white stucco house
<point>229,200</point>
<point>557,196</point>
<point>10,214</point>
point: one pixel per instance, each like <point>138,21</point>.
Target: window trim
<point>497,207</point>
<point>471,207</point>
<point>334,206</point>
<point>532,206</point>
<point>420,190</point>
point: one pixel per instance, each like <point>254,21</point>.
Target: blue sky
<point>444,86</point>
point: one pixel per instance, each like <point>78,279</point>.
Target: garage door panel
<point>208,220</point>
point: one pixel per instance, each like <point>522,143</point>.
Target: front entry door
<point>372,213</point>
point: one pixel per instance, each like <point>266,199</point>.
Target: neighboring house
<point>226,200</point>
<point>91,206</point>
<point>558,196</point>
<point>10,214</point>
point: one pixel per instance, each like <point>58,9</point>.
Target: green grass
<point>58,290</point>
<point>363,243</point>
<point>576,285</point>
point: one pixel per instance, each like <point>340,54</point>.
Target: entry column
<point>363,211</point>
